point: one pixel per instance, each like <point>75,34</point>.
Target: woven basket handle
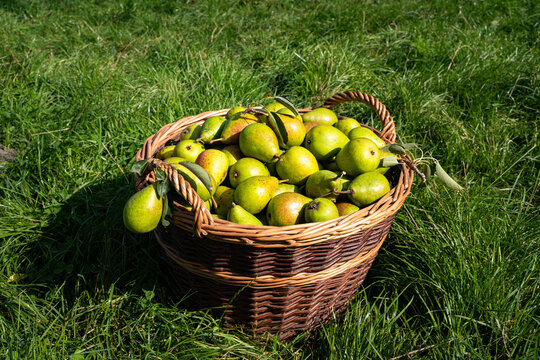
<point>184,189</point>
<point>389,128</point>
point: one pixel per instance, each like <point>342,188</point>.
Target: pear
<point>211,129</point>
<point>321,115</point>
<point>345,208</point>
<point>286,209</point>
<point>260,142</point>
<point>330,165</point>
<point>233,111</point>
<point>143,210</point>
<point>237,214</point>
<point>296,165</point>
<point>233,153</point>
<point>310,125</point>
<point>361,131</point>
<point>218,216</point>
<point>165,152</point>
<point>192,132</point>
<point>320,209</point>
<point>230,133</point>
<point>196,183</point>
<point>224,198</point>
<point>324,183</point>
<point>245,168</point>
<point>346,125</point>
<point>215,162</point>
<point>274,107</point>
<point>358,156</point>
<point>325,141</point>
<point>296,132</point>
<point>284,187</point>
<point>367,188</point>
<point>188,149</point>
<point>254,193</point>
<point>174,160</point>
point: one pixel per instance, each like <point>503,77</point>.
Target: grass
<point>84,83</point>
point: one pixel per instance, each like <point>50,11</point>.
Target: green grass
<point>84,83</point>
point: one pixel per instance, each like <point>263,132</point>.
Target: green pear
<point>143,210</point>
<point>260,142</point>
<point>224,197</point>
<point>325,141</point>
<point>165,152</point>
<point>330,165</point>
<point>361,131</point>
<point>174,160</point>
<point>345,208</point>
<point>274,107</point>
<point>320,209</point>
<point>321,115</point>
<point>358,156</point>
<point>367,188</point>
<point>211,129</point>
<point>296,132</point>
<point>286,209</point>
<point>218,216</point>
<point>324,183</point>
<point>284,187</point>
<point>254,193</point>
<point>310,125</point>
<point>196,183</point>
<point>233,111</point>
<point>215,162</point>
<point>346,125</point>
<point>296,165</point>
<point>230,133</point>
<point>233,153</point>
<point>192,132</point>
<point>245,168</point>
<point>188,149</point>
<point>237,214</point>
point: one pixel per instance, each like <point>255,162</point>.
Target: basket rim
<point>277,236</point>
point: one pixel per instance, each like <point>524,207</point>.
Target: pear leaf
<point>160,175</point>
<point>162,188</point>
<point>236,116</point>
<point>394,149</point>
<point>287,104</point>
<point>427,171</point>
<point>200,173</point>
<point>166,211</point>
<point>389,161</point>
<point>410,146</point>
<point>139,166</point>
<point>277,125</point>
<point>445,178</point>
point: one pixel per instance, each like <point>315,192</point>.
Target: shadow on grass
<point>86,248</point>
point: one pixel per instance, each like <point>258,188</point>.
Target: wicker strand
<point>270,281</point>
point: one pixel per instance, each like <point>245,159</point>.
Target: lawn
<point>84,83</point>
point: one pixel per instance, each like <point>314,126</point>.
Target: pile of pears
<point>323,168</point>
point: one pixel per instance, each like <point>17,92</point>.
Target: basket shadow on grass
<point>86,248</point>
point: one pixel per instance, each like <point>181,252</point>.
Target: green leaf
<point>427,171</point>
<point>165,211</point>
<point>287,104</point>
<point>277,125</point>
<point>389,161</point>
<point>445,178</point>
<point>139,166</point>
<point>394,149</point>
<point>160,175</point>
<point>410,146</point>
<point>200,173</point>
<point>162,188</point>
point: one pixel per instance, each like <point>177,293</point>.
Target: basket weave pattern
<point>274,279</point>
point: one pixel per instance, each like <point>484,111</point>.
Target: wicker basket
<point>282,280</point>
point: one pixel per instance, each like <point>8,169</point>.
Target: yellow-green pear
<point>321,115</point>
<point>142,212</point>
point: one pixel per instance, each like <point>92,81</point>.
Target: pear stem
<point>339,176</point>
<point>216,140</point>
<point>346,192</point>
<point>412,165</point>
<point>282,181</point>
